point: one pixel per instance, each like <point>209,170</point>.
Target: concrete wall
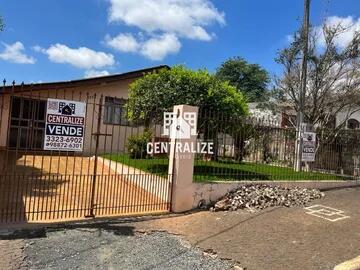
<point>4,119</point>
<point>212,192</point>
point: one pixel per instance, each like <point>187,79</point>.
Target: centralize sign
<point>65,123</point>
<point>180,127</point>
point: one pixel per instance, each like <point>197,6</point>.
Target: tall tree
<point>333,75</point>
<point>249,79</point>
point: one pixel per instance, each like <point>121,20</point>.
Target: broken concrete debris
<point>260,196</point>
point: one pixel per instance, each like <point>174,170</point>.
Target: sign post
<point>65,125</point>
<point>308,146</point>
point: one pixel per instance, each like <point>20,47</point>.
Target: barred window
<point>115,111</point>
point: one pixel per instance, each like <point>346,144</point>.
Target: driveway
<point>58,188</point>
<point>277,238</point>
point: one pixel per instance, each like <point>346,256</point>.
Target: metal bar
<point>92,206</point>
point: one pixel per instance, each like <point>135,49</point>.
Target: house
<point>350,118</point>
<point>285,116</point>
<point>23,111</point>
<point>260,113</point>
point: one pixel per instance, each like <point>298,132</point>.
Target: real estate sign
<point>65,125</point>
<point>308,146</point>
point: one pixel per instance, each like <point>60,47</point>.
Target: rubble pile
<point>260,196</point>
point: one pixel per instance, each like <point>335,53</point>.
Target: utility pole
<point>300,115</point>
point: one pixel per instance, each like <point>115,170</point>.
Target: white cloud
<point>95,73</point>
<point>155,48</point>
<point>123,42</point>
<point>15,53</point>
<point>185,18</point>
<point>349,26</point>
<point>158,48</point>
<point>162,23</point>
<point>81,57</point>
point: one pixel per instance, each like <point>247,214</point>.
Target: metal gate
<point>111,176</point>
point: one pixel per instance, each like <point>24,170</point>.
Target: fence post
<point>181,167</point>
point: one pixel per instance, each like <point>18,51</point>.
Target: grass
<point>212,171</point>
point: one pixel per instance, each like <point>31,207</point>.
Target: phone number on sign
<point>61,139</point>
<point>63,145</point>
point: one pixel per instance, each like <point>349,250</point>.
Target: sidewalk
<point>277,238</point>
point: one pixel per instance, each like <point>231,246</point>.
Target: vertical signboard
<point>65,125</point>
<point>309,146</point>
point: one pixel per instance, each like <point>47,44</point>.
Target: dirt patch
<point>12,255</point>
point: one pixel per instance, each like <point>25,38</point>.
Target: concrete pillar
<point>4,121</point>
<point>181,166</point>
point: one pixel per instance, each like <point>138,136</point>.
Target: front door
<point>27,124</point>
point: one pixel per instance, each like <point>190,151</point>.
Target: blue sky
<point>48,40</point>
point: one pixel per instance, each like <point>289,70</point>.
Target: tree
<point>159,91</point>
<point>249,79</point>
<point>333,80</point>
<point>333,76</point>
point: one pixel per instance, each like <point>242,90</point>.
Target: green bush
<point>136,145</point>
<point>158,92</point>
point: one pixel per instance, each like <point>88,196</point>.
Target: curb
<point>353,264</point>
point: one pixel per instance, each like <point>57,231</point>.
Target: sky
<point>51,40</point>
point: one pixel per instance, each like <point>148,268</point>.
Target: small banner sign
<point>65,125</point>
<point>308,146</point>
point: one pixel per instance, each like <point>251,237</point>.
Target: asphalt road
<point>107,247</point>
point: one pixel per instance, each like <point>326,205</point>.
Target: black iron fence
<point>248,148</point>
<point>107,169</point>
<point>100,172</point>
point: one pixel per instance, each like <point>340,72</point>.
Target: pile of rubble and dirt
<point>259,196</point>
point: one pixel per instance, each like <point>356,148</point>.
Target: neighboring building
<point>350,118</point>
<point>285,116</point>
<point>22,121</point>
<point>257,112</point>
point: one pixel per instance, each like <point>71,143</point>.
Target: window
<point>115,111</point>
<point>353,124</point>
